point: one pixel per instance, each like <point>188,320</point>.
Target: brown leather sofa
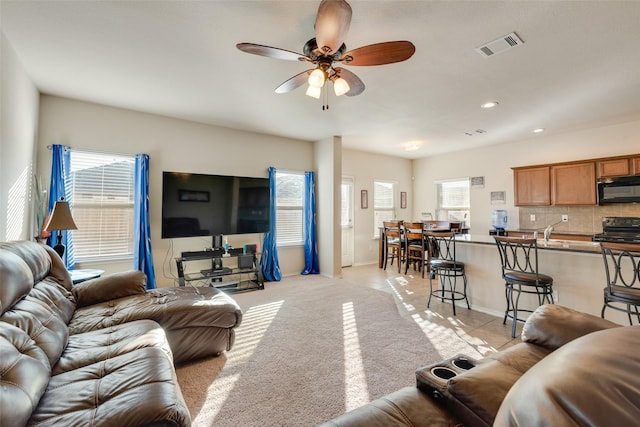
<point>100,353</point>
<point>571,369</point>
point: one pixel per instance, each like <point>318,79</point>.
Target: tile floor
<point>411,293</point>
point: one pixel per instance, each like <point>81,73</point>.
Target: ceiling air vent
<point>507,42</point>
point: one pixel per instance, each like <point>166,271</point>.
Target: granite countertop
<point>552,244</point>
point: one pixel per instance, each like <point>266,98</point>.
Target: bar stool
<point>519,258</point>
<point>393,243</point>
<point>622,268</point>
<point>415,248</point>
<point>445,266</point>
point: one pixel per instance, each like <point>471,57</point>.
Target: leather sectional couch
<point>100,353</point>
<point>571,369</point>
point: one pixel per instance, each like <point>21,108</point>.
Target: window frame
<point>300,208</point>
<point>377,224</point>
<point>443,213</point>
<point>85,210</point>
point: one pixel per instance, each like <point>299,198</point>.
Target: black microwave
<point>622,189</point>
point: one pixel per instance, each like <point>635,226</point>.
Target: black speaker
<point>245,261</point>
<point>249,249</point>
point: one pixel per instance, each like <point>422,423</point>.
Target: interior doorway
<point>346,221</point>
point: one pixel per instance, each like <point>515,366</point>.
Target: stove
<point>619,229</point>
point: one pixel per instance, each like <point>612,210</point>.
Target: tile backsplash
<point>582,219</point>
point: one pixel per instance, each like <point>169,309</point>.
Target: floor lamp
<point>60,220</point>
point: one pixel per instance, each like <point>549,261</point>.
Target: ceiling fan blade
<point>294,82</point>
<point>271,52</point>
<point>379,53</point>
<point>356,87</point>
<point>332,24</point>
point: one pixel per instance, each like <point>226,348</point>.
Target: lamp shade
<point>317,78</point>
<point>61,218</point>
<point>314,92</point>
<point>340,86</point>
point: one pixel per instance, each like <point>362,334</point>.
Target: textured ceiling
<point>579,66</point>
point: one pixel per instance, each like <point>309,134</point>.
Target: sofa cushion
<point>34,255</point>
<point>91,347</point>
<point>42,315</point>
<point>592,380</point>
<point>111,287</point>
<point>16,279</point>
<point>24,374</point>
<point>138,388</point>
<point>198,321</point>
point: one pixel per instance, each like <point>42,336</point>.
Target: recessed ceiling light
<point>489,104</point>
<point>538,130</point>
<point>412,145</point>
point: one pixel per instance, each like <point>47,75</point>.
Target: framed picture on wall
<point>364,199</point>
<point>403,200</point>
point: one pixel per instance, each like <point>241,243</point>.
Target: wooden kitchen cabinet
<point>568,183</point>
<point>573,184</point>
<point>614,167</point>
<point>635,165</point>
<point>532,186</point>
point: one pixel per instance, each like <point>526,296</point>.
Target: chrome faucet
<point>548,230</point>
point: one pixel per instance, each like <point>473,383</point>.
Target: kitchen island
<point>577,269</point>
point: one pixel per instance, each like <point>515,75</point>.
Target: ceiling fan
<point>327,48</point>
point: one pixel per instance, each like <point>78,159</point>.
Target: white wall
<point>495,163</point>
<point>365,168</point>
<point>173,145</point>
<point>18,130</point>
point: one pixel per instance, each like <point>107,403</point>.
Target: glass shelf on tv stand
<point>224,273</point>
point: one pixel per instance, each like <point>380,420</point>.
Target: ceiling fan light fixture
<point>314,92</point>
<point>317,78</point>
<point>340,86</point>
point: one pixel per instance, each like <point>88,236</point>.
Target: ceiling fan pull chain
<point>326,97</point>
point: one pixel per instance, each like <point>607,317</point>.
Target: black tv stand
<point>230,273</point>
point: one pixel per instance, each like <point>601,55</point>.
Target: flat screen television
<point>211,205</point>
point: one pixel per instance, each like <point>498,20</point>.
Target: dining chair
<point>393,242</point>
<point>415,247</point>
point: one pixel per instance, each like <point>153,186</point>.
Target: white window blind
<point>454,200</point>
<point>383,204</point>
<point>102,197</point>
<point>289,208</point>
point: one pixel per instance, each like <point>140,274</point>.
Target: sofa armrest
<point>405,407</point>
<point>107,288</point>
<point>552,326</point>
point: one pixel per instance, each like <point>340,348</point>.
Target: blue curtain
<point>310,233</point>
<point>60,189</point>
<point>269,260</point>
<point>142,259</point>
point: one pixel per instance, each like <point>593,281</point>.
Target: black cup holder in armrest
<point>433,379</point>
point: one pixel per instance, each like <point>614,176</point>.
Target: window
<point>454,201</point>
<point>289,208</point>
<point>102,196</point>
<point>384,208</point>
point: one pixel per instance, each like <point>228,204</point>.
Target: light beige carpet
<point>310,348</point>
